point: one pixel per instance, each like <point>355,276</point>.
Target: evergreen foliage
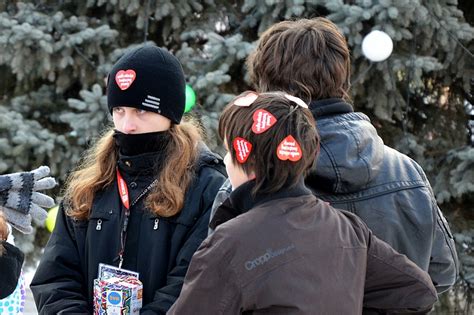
<point>55,56</point>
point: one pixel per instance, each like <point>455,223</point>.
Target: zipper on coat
<point>98,227</point>
<point>157,221</point>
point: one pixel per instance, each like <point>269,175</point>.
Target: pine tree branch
<point>437,19</point>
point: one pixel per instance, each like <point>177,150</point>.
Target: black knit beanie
<point>148,78</point>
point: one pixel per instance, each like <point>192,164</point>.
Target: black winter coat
<point>160,249</point>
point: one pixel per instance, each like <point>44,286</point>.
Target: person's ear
<point>252,176</point>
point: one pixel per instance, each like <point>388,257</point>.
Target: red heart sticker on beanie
<point>243,149</point>
<point>125,78</point>
<point>262,121</point>
<point>289,149</point>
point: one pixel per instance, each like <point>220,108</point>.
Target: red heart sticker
<point>262,121</point>
<point>243,149</point>
<point>125,78</point>
<point>289,149</point>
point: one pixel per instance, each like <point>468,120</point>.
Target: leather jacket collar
<point>329,107</point>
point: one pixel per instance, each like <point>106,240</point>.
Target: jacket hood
<point>351,152</point>
<point>209,158</point>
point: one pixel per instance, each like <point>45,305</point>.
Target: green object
<point>190,98</point>
<point>51,219</point>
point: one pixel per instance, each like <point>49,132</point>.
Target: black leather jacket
<point>355,171</point>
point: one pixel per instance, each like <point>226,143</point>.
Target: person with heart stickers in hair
<point>277,248</point>
<point>140,200</point>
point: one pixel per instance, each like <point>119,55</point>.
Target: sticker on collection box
<point>117,292</point>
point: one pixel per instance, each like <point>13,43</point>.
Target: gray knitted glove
<point>20,200</point>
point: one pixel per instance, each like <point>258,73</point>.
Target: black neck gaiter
<point>135,144</point>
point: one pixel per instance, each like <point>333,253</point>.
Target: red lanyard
<point>123,190</point>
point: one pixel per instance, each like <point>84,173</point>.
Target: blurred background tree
<point>55,55</point>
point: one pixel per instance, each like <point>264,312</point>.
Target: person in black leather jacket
<point>355,171</point>
<point>141,198</point>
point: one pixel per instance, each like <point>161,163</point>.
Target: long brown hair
<point>271,173</point>
<point>306,58</point>
<point>98,170</point>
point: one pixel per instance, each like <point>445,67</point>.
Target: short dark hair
<point>271,172</point>
<point>306,58</point>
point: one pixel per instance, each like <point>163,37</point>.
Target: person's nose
<point>129,124</point>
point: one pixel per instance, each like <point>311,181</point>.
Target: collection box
<point>119,295</point>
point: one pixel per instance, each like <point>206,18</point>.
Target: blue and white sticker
<point>114,298</point>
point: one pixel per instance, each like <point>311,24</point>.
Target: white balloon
<point>377,46</point>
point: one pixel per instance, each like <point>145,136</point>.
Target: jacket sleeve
<point>167,295</point>
<point>444,265</point>
<point>393,283</point>
<point>211,286</point>
<point>58,285</point>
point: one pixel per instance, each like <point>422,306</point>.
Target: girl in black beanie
<point>141,197</point>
